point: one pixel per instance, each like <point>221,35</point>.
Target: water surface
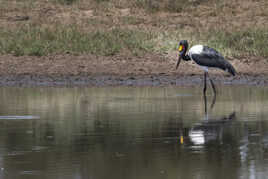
<point>133,132</point>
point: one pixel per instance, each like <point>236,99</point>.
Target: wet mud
<point>149,70</point>
<point>128,80</point>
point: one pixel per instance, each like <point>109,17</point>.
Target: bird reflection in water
<point>208,129</point>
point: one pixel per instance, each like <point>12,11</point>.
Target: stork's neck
<point>185,57</point>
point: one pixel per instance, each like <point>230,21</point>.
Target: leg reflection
<point>212,103</point>
<point>205,102</point>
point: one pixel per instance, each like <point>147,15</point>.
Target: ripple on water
<point>183,95</point>
<point>18,117</point>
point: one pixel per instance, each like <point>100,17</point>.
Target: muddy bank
<point>137,80</point>
<point>149,70</point>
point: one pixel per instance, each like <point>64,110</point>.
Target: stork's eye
<point>180,48</point>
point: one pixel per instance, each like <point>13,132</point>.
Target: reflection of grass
<point>42,41</point>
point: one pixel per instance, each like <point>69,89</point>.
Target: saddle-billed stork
<point>205,57</point>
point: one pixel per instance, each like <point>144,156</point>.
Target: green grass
<point>36,41</point>
<point>248,42</point>
<point>253,42</point>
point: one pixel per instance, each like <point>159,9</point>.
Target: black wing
<point>212,58</point>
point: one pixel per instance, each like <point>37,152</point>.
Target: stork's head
<point>183,46</point>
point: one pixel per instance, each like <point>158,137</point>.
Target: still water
<point>133,133</point>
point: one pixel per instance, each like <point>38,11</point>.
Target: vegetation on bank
<point>125,33</point>
<point>38,41</point>
<point>251,42</point>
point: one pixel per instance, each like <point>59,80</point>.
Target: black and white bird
<point>205,57</point>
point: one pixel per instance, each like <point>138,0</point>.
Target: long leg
<point>214,90</point>
<point>205,83</point>
<point>212,84</point>
<point>205,102</point>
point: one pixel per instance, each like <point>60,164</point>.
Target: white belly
<point>204,68</point>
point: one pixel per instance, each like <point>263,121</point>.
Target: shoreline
<point>149,70</point>
<point>28,80</point>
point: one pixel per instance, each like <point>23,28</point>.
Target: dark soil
<point>132,80</point>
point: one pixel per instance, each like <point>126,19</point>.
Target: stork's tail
<point>230,68</point>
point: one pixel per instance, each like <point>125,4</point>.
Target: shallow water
<point>133,132</point>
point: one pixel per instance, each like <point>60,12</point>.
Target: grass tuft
<point>167,5</point>
<point>66,2</point>
<point>101,1</point>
